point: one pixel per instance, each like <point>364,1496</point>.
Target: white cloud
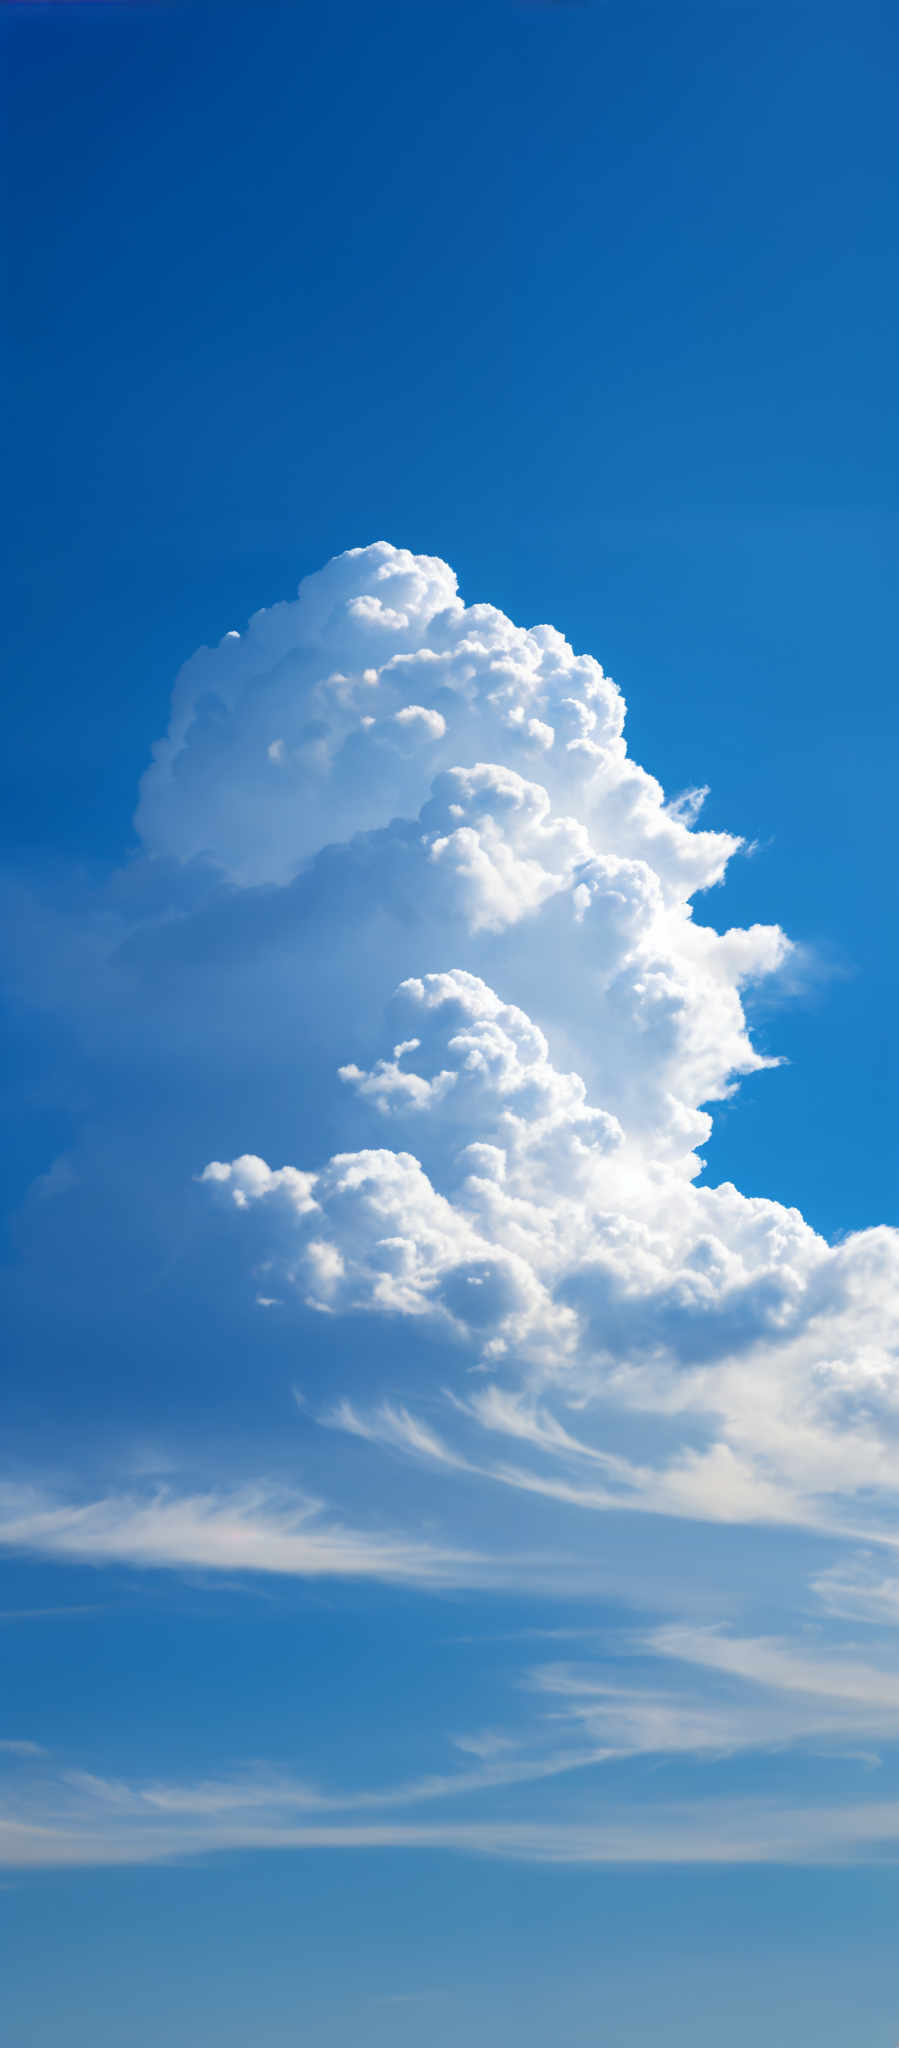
<point>725,1694</point>
<point>542,1209</point>
<point>859,1588</point>
<point>785,1668</point>
<point>544,1213</point>
<point>753,1694</point>
<point>558,1244</point>
<point>378,636</point>
<point>91,1828</point>
<point>261,1529</point>
<point>512,1028</point>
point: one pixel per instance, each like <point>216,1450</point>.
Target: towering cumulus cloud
<point>407,910</point>
<point>510,899</point>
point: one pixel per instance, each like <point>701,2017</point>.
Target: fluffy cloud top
<point>336,712</point>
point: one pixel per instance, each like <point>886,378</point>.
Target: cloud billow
<point>545,1215</point>
<point>411,923</point>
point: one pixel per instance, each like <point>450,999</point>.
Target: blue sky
<point>441,1575</point>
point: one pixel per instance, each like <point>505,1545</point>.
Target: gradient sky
<point>450,1592</point>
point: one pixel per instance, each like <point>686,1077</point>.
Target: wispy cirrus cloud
<point>726,1695</point>
<point>711,1833</point>
<point>253,1529</point>
<point>752,1694</point>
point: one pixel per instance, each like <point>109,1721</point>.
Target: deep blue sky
<point>596,301</point>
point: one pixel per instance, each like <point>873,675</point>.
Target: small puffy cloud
<point>248,1178</point>
<point>420,720</point>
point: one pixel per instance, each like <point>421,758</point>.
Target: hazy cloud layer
<point>591,1720</point>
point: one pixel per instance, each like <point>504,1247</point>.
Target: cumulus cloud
<point>541,1210</point>
<point>333,713</point>
<point>412,831</point>
<point>586,1260</point>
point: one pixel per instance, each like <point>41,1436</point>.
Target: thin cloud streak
<point>262,1529</point>
<point>699,1834</point>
